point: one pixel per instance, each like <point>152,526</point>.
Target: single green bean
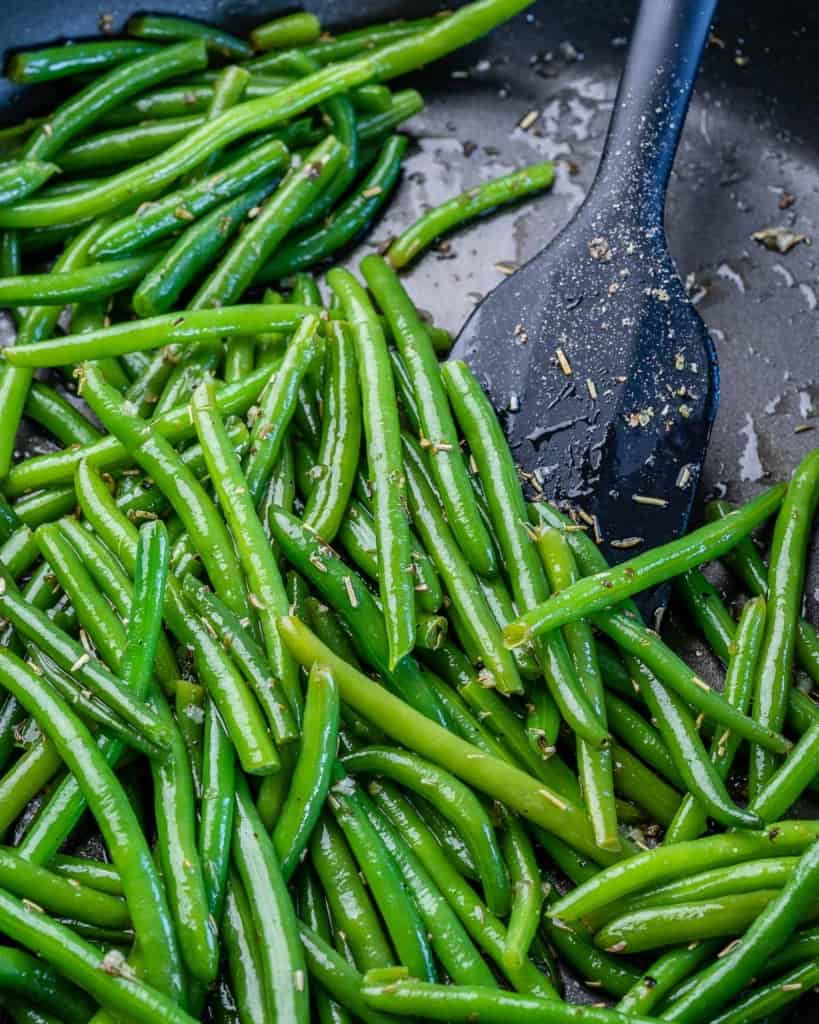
<point>768,1001</point>
<point>593,965</point>
<point>19,178</point>
<point>97,281</point>
<point>312,910</point>
<point>53,62</point>
<point>664,975</point>
<point>243,958</point>
<point>31,978</point>
<point>285,31</point>
<point>164,27</point>
<point>123,145</point>
<point>527,890</point>
<point>60,418</point>
<point>383,445</point>
<point>472,203</point>
<point>313,772</point>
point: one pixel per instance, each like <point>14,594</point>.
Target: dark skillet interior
<point>750,138</point>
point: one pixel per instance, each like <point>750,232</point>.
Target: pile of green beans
<point>306,713</point>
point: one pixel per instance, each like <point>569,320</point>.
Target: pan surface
<point>748,160</point>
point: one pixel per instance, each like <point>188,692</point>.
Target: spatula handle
<point>652,100</point>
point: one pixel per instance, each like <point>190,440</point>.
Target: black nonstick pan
<point>748,161</point>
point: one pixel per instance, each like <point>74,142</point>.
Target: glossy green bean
<point>301,186</point>
<point>690,820</point>
<point>396,906</point>
<point>53,62</point>
<point>309,247</point>
<point>438,429</point>
<point>340,446</point>
<point>312,910</point>
<point>147,179</point>
<point>483,927</point>
<point>664,975</point>
<point>165,27</point>
<point>91,873</point>
<point>277,406</point>
<point>472,203</point>
<point>283,965</point>
<point>340,111</point>
<point>383,445</point>
<point>313,772</point>
<point>238,506</point>
<point>175,210</point>
<point>639,736</point>
<point>115,817</point>
<point>603,590</point>
<point>288,30</point>
<point>665,863</point>
<point>786,574</point>
<point>746,561</point>
<point>19,178</point>
<point>405,104</point>
<point>468,1003</point>
<point>237,706</point>
<point>37,325</point>
<point>768,1001</point>
<point>350,905</point>
<point>44,506</point>
<point>596,966</point>
<point>498,472</point>
<point>58,416</point>
<point>115,147</point>
<point>97,281</point>
<point>527,892</point>
<point>243,959</point>
<point>107,91</point>
<point>28,977</point>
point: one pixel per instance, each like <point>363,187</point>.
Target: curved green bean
<point>165,27</point>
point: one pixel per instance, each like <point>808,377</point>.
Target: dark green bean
<point>20,178</point>
<point>58,416</point>
<point>527,889</point>
<point>164,27</point>
<point>243,959</point>
<point>45,65</point>
<point>593,965</point>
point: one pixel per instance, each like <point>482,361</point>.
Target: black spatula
<point>602,371</point>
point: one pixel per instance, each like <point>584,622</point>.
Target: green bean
<point>37,324</point>
<point>19,551</point>
<point>346,592</point>
<point>157,458</point>
<point>593,965</point>
<point>277,405</point>
<point>634,781</point>
<point>236,704</point>
<point>194,251</point>
<point>312,911</point>
<point>604,590</point>
<point>93,282</point>
<point>285,31</point>
<point>123,145</point>
<point>249,657</point>
<point>348,44</point>
<point>29,977</point>
<point>350,906</point>
<point>229,88</point>
<point>786,575</point>
<point>313,772</point>
<point>594,766</point>
<point>71,656</point>
<point>690,820</point>
<point>76,58</point>
<point>255,557</point>
<point>438,429</point>
<point>383,444</point>
<point>10,522</point>
<point>187,374</point>
<point>636,734</point>
<point>243,959</point>
<point>746,561</point>
<point>339,450</point>
<point>456,574</point>
<point>664,975</point>
<point>281,952</point>
<point>115,583</point>
<point>341,114</point>
<point>147,179</point>
<point>497,470</point>
<point>108,803</point>
<point>300,187</point>
<point>449,939</point>
<point>475,201</point>
<point>58,416</point>
<point>801,947</point>
<point>653,927</point>
<point>91,873</point>
<point>164,27</point>
<point>60,896</point>
<point>527,898</point>
<point>457,804</point>
<point>44,506</point>
<point>405,104</point>
<point>175,210</point>
<point>469,1003</point>
<point>311,246</point>
<point>107,91</point>
<point>768,1000</point>
<point>19,178</point>
<point>430,631</point>
<point>787,783</point>
<point>718,983</point>
<point>495,778</point>
<point>217,808</point>
<point>59,468</point>
<point>190,702</point>
<point>664,863</point>
<point>398,911</point>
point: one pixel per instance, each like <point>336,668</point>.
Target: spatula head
<point>604,377</point>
